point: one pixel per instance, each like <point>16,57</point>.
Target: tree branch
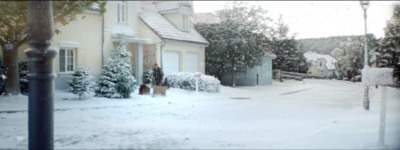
<point>3,34</point>
<point>5,22</point>
<point>58,19</point>
<point>23,41</point>
<point>2,40</point>
<point>22,28</point>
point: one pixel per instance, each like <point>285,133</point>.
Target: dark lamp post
<point>364,4</point>
<point>40,76</point>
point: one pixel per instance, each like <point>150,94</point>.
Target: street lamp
<point>364,5</point>
<point>41,76</point>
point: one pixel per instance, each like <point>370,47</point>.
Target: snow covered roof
<point>166,5</point>
<point>207,18</point>
<point>269,54</point>
<point>170,6</point>
<point>165,29</point>
<point>330,61</point>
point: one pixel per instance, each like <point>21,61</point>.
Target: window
<point>320,63</point>
<point>185,22</point>
<point>122,15</point>
<point>67,59</point>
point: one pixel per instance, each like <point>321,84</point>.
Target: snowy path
<point>314,114</point>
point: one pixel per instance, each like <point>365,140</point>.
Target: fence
<point>298,76</point>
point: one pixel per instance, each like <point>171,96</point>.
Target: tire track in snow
<point>292,92</point>
<point>65,109</point>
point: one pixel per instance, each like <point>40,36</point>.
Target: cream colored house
<point>319,64</point>
<point>177,45</point>
<point>79,43</point>
<point>156,32</point>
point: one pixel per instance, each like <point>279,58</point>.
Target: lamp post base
<point>366,98</point>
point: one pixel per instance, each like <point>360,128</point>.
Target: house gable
<point>164,28</point>
<point>314,59</point>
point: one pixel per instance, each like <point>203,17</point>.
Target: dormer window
<point>122,12</point>
<point>185,22</point>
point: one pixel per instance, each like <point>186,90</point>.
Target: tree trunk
<point>233,74</point>
<point>10,54</point>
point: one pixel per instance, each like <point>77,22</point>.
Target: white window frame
<point>66,71</point>
<point>185,22</point>
<point>122,14</point>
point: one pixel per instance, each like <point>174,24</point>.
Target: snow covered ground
<point>310,114</point>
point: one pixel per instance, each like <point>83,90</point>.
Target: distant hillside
<point>323,45</point>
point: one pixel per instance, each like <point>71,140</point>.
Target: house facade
<point>177,45</point>
<point>320,65</point>
<point>88,40</point>
<point>155,32</point>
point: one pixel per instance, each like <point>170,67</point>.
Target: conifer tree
<point>388,50</point>
<point>116,80</point>
<point>238,40</point>
<point>80,83</point>
<point>290,55</point>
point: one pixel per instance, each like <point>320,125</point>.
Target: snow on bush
<point>147,75</point>
<point>116,80</point>
<point>187,81</point>
<point>81,82</point>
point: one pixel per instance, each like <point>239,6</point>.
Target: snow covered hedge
<point>187,81</point>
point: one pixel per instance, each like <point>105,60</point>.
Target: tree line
<point>243,36</point>
<point>246,32</point>
<point>382,52</point>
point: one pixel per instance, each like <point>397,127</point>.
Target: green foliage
<point>13,29</point>
<point>116,80</point>
<point>147,76</point>
<point>187,81</point>
<point>237,39</point>
<point>290,56</point>
<point>323,45</point>
<point>80,84</point>
<point>13,19</point>
<point>214,53</point>
<point>350,53</point>
<point>388,51</point>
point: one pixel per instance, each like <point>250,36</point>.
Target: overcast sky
<point>319,18</point>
